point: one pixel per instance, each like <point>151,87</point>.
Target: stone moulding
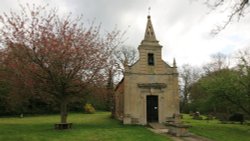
<point>152,85</point>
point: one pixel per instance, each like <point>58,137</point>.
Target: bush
<point>237,117</point>
<point>88,108</point>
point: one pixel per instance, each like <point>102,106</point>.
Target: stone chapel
<point>149,90</point>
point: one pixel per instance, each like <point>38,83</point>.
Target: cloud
<point>182,27</point>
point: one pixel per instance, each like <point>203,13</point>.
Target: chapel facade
<point>149,90</point>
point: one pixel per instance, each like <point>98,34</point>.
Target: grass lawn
<point>217,131</point>
<point>94,127</point>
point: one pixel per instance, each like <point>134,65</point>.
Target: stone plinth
<point>178,129</point>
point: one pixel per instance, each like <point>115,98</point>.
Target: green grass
<point>99,127</point>
<point>86,127</point>
<point>214,130</point>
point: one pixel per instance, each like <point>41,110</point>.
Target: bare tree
<point>237,10</point>
<point>218,61</point>
<point>243,66</point>
<point>126,55</point>
<point>188,76</point>
<point>243,57</point>
<point>123,56</point>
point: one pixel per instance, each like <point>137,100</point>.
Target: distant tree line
<point>221,86</point>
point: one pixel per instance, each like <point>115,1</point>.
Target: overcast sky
<point>181,26</point>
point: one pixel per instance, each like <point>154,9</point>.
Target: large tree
<point>54,56</point>
<point>224,87</point>
<point>228,85</point>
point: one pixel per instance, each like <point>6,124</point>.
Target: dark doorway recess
<point>152,108</point>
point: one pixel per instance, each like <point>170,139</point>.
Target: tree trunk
<point>64,112</point>
<point>184,102</point>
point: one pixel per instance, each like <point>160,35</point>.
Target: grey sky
<point>181,26</point>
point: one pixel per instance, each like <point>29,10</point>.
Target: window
<point>151,59</point>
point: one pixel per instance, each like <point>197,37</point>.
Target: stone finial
<point>149,8</point>
<point>174,63</point>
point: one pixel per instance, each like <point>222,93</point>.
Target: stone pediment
<point>152,85</point>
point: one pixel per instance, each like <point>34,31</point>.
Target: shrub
<point>88,108</point>
<point>237,117</point>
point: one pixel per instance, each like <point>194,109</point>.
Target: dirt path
<point>190,138</point>
<point>160,129</point>
<point>174,138</point>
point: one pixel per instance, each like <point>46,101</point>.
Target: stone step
<point>156,125</point>
<point>158,128</point>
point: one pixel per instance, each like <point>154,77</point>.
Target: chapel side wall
<point>119,102</point>
<point>127,100</point>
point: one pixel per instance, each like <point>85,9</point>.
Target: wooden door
<point>152,108</point>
